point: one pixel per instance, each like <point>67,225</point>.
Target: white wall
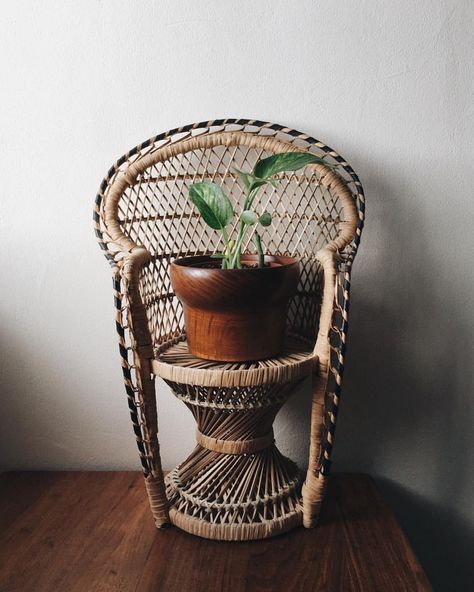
<point>387,84</point>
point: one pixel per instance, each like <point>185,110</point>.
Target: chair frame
<point>136,343</point>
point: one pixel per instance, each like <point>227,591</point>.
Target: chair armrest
<point>330,348</point>
<point>139,382</point>
<point>138,322</point>
<point>329,259</point>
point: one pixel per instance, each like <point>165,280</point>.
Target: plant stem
<point>225,235</point>
<point>235,261</point>
<point>233,257</point>
<point>258,244</point>
<point>225,260</point>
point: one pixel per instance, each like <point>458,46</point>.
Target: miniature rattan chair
<point>235,485</point>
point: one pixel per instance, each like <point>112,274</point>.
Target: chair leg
<point>140,389</point>
<point>326,396</point>
<point>315,484</point>
<point>155,488</point>
<point>154,480</point>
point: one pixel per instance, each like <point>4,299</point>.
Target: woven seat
<point>174,363</point>
<point>236,484</point>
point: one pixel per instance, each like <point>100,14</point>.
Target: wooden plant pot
<point>235,315</point>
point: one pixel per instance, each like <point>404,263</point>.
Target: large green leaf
<point>212,203</point>
<point>285,161</point>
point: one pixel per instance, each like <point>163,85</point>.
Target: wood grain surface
<point>92,531</point>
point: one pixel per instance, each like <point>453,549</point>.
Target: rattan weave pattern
<point>172,361</point>
<point>143,221</point>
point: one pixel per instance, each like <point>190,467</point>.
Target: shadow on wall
<point>406,421</point>
<point>404,416</point>
<point>442,540</point>
<point>408,386</point>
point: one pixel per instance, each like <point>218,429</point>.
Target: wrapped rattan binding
<point>235,485</point>
<point>172,361</point>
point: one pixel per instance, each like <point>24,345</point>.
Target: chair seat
<point>173,362</point>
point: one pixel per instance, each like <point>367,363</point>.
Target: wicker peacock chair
<point>235,485</point>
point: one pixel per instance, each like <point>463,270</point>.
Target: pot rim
<point>284,261</point>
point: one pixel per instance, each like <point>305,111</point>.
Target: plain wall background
<point>387,84</point>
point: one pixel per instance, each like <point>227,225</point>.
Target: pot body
<point>235,315</point>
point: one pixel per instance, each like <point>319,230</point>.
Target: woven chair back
<point>143,202</point>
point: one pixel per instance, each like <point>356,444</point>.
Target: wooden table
<point>91,531</point>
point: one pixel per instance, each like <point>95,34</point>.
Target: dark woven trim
<point>117,285</point>
<point>242,122</point>
<point>331,410</point>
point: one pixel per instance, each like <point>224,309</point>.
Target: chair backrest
<point>143,202</point>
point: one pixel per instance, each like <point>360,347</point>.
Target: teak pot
<point>235,315</point>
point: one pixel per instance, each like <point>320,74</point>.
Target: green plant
<point>216,209</point>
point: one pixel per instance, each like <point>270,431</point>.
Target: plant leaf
<point>217,256</point>
<point>265,219</point>
<point>212,203</point>
<point>246,178</point>
<point>257,183</point>
<point>250,181</point>
<point>285,161</point>
<point>248,217</point>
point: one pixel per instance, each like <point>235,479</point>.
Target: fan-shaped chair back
<point>143,202</point>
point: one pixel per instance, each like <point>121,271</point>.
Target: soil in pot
<point>235,315</point>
